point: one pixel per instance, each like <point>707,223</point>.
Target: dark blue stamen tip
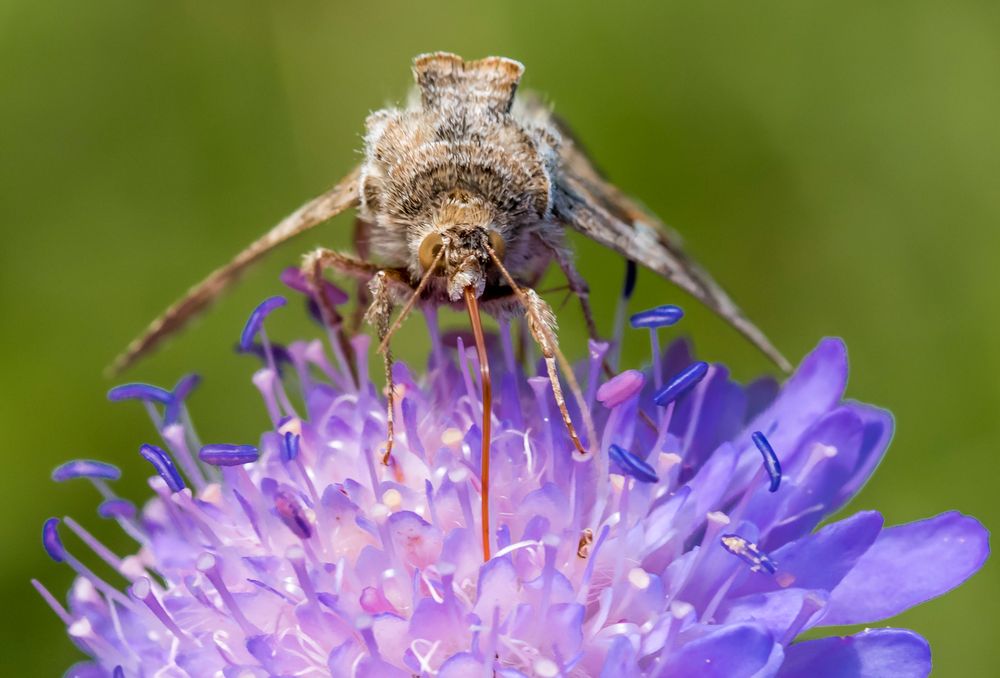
<point>631,273</point>
<point>51,541</point>
<point>290,446</point>
<point>116,508</point>
<point>748,553</point>
<point>228,455</point>
<point>181,391</point>
<point>85,468</point>
<point>119,672</point>
<point>771,463</point>
<point>281,355</point>
<point>185,385</point>
<point>682,382</point>
<point>256,320</point>
<point>631,465</point>
<point>291,514</point>
<point>294,278</point>
<point>164,466</point>
<point>661,316</point>
<point>146,392</point>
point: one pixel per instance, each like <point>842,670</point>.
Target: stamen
<point>164,466</point>
<point>208,565</point>
<point>771,463</point>
<point>748,553</point>
<point>85,468</point>
<point>103,552</point>
<point>51,541</point>
<point>654,318</point>
<point>683,382</point>
<point>52,602</point>
<point>620,388</point>
<point>256,320</point>
<point>116,508</point>
<point>182,390</point>
<point>296,556</point>
<point>228,455</point>
<point>290,446</point>
<point>137,391</point>
<point>631,271</point>
<point>293,278</point>
<point>142,590</point>
<point>631,465</point>
<point>292,515</point>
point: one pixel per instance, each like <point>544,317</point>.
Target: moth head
<point>460,256</point>
<point>457,246</point>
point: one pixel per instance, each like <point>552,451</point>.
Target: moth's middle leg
<point>577,285</point>
<point>381,283</point>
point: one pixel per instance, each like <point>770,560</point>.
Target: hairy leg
<point>577,285</point>
<point>382,284</point>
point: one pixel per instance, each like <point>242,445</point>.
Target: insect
<point>463,198</point>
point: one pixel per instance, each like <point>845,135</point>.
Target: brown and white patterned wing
<point>341,197</point>
<point>588,203</point>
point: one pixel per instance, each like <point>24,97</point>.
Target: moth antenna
<point>383,346</point>
<point>484,370</point>
<point>541,324</point>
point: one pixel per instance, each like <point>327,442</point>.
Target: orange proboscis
<point>472,304</point>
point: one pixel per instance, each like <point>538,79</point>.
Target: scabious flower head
<point>689,545</point>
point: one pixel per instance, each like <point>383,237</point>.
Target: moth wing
<point>344,195</point>
<point>590,204</point>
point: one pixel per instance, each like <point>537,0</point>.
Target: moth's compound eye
<point>498,244</point>
<point>429,250</point>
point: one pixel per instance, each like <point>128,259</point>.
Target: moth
<point>463,198</point>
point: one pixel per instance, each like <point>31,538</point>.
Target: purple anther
<point>631,465</point>
<point>85,468</point>
<point>748,553</point>
<point>164,465</point>
<point>620,388</point>
<point>296,280</point>
<point>291,514</point>
<point>228,455</point>
<point>683,382</point>
<point>256,320</point>
<point>653,318</point>
<point>771,463</point>
<point>51,541</point>
<point>290,446</point>
<point>279,352</point>
<point>137,391</point>
<point>116,508</point>
<point>182,390</point>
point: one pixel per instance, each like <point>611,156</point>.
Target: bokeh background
<point>836,164</point>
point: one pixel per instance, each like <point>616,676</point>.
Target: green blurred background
<point>836,164</point>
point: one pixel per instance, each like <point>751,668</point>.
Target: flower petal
<point>878,653</point>
<point>731,652</point>
<point>908,565</point>
<point>820,560</point>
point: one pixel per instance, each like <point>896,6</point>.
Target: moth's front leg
<point>379,315</point>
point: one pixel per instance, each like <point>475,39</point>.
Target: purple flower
<point>701,552</point>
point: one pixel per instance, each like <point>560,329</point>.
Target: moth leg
<point>361,238</point>
<point>313,266</point>
<point>577,285</point>
<point>379,315</point>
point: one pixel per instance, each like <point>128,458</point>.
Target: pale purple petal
<point>737,651</point>
<point>908,565</point>
<point>876,653</point>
